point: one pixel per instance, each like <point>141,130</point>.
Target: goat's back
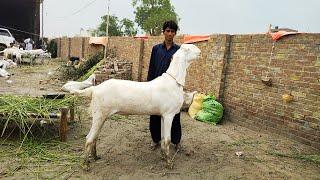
<point>130,97</point>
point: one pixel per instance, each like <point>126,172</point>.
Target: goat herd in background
<point>13,56</point>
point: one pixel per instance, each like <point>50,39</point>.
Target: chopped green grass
<point>18,111</point>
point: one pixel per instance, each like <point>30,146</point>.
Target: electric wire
<point>2,26</point>
<point>79,10</point>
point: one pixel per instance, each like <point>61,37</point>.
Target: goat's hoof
<point>96,158</point>
<point>163,156</point>
<point>169,165</point>
<point>86,168</point>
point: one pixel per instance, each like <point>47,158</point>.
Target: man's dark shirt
<point>160,60</point>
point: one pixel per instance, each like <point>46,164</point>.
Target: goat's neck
<point>177,69</point>
<point>174,65</point>
<point>172,77</point>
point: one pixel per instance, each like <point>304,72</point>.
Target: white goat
<point>13,51</point>
<point>161,96</point>
<point>4,73</point>
<point>45,55</point>
<point>9,51</point>
<point>4,64</point>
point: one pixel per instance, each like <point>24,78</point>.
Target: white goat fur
<point>7,63</point>
<point>75,85</point>
<point>4,73</point>
<point>161,96</point>
<point>188,97</point>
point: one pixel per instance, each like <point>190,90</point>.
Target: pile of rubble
<point>114,69</point>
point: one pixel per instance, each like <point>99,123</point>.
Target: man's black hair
<point>170,24</point>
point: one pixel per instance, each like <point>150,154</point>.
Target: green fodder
<point>53,48</point>
<point>40,160</point>
<point>19,111</point>
<point>91,71</point>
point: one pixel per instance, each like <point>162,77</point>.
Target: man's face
<point>169,34</point>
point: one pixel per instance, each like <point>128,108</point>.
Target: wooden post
<point>82,46</point>
<point>69,48</point>
<point>140,64</point>
<point>63,124</point>
<point>59,48</point>
<point>71,119</point>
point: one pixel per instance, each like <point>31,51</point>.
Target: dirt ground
<point>208,152</point>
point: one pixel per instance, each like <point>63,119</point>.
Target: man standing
<point>28,42</point>
<point>159,63</point>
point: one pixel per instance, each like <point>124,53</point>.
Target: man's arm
<point>151,70</point>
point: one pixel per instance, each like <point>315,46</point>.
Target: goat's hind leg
<point>94,151</point>
<point>98,120</point>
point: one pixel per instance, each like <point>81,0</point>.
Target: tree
<point>124,27</point>
<point>150,14</point>
<point>127,27</point>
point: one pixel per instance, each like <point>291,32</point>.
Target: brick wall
<point>76,46</point>
<point>293,68</point>
<point>231,67</point>
<point>64,47</point>
<point>127,48</point>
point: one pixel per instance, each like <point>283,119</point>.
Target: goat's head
<point>191,52</point>
<point>181,61</point>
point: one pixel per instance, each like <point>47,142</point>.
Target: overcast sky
<point>67,17</point>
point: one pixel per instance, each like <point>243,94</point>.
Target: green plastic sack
<point>209,97</point>
<point>212,106</point>
<point>211,111</point>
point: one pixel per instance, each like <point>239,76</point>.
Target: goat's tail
<point>85,92</point>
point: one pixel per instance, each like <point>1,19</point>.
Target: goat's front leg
<point>165,143</point>
<point>162,138</point>
<point>162,128</point>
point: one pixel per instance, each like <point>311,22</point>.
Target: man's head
<point>169,30</point>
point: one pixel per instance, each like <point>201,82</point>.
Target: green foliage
<point>124,27</point>
<point>53,48</point>
<point>70,72</point>
<point>151,14</point>
<point>127,27</point>
<point>91,71</point>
